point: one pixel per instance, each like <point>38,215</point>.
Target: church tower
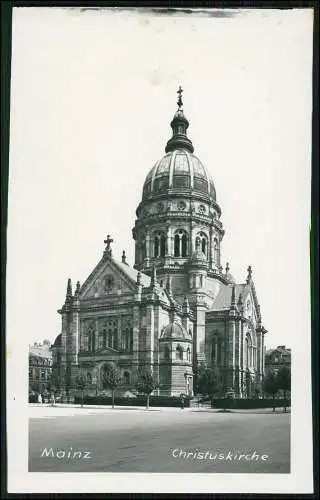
<point>178,228</point>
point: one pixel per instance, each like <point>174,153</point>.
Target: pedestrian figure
<point>182,401</point>
<point>39,398</point>
<point>52,399</point>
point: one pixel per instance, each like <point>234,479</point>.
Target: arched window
<point>109,281</point>
<point>181,244</point>
<point>126,378</point>
<point>89,378</point>
<point>188,354</point>
<point>143,249</point>
<point>127,339</point>
<point>204,245</point>
<point>184,245</point>
<point>162,245</point>
<point>202,240</point>
<point>249,348</point>
<point>156,246</point>
<point>91,340</point>
<point>214,351</point>
<point>179,352</point>
<point>101,340</point>
<point>176,246</point>
<point>215,249</point>
<point>159,245</point>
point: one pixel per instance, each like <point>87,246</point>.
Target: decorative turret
<point>77,290</point>
<point>179,125</point>
<point>249,277</point>
<point>124,258</point>
<point>69,291</point>
<point>240,302</point>
<point>138,282</point>
<point>233,297</point>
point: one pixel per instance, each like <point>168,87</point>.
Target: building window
<point>101,340</point>
<point>126,378</point>
<point>127,339</point>
<point>180,244</point>
<point>202,239</point>
<point>188,354</point>
<point>215,249</point>
<point>159,245</point>
<point>179,352</point>
<point>89,378</point>
<point>108,282</point>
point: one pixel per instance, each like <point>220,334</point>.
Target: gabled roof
<point>122,268</point>
<point>132,273</point>
<point>223,299</point>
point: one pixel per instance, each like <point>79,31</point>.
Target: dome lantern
<point>179,125</point>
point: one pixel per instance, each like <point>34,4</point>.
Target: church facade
<point>177,308</point>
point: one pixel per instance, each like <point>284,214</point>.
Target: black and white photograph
<point>158,274</point>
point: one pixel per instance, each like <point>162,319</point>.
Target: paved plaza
<point>74,439</point>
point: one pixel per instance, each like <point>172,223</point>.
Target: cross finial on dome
<point>179,92</point>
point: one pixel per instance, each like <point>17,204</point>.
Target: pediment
<point>106,350</point>
<point>107,280</point>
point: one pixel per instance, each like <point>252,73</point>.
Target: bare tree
<point>146,383</point>
<point>111,378</point>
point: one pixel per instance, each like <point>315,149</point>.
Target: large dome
<point>179,169</point>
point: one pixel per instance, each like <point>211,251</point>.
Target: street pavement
<point>102,439</point>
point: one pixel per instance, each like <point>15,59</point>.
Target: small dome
<point>175,330</point>
<point>179,169</point>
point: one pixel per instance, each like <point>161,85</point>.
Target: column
<point>231,352</point>
<point>135,340</point>
<point>211,248</point>
<point>258,334</point>
<point>148,245</point>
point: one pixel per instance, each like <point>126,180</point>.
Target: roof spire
<point>123,257</point>
<point>249,277</point>
<point>179,125</point>
<point>233,296</point>
<point>77,290</point>
<point>138,282</point>
<point>69,290</point>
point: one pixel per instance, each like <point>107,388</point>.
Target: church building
<point>177,308</point>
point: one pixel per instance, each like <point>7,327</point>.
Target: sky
<point>92,96</point>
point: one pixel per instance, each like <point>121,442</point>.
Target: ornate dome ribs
<point>178,169</point>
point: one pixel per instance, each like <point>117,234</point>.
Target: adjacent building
<point>277,358</point>
<point>178,307</point>
<point>40,366</point>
